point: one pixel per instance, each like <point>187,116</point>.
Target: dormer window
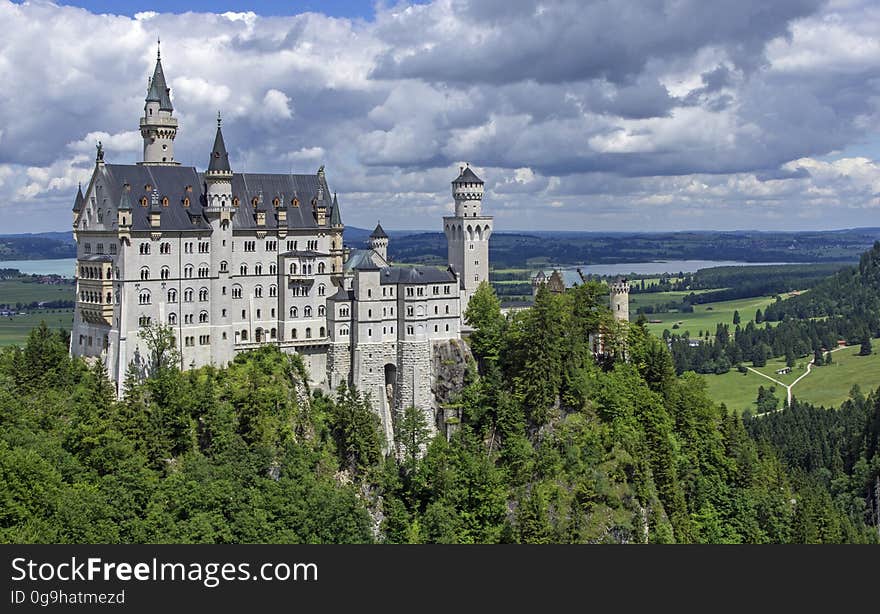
<point>186,201</point>
<point>143,201</point>
<point>235,201</point>
<point>254,201</point>
<point>276,202</point>
<point>295,202</point>
<point>164,201</point>
<point>148,188</point>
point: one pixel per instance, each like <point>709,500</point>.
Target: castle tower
<point>467,233</point>
<point>158,127</point>
<point>619,299</point>
<point>379,242</point>
<point>337,249</point>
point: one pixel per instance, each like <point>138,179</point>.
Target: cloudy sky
<point>616,115</point>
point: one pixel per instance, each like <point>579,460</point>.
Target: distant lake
<point>667,266</point>
<point>62,266</point>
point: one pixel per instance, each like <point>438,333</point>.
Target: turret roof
<point>219,156</point>
<point>467,176</point>
<point>159,91</point>
<point>378,233</point>
<point>80,200</point>
<point>335,214</point>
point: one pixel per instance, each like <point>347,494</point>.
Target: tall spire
<point>219,157</point>
<point>80,199</point>
<point>159,90</point>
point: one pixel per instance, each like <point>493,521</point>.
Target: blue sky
<point>625,115</point>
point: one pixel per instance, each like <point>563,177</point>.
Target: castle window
<point>186,201</point>
<point>165,247</point>
<point>235,201</point>
<point>236,291</point>
<point>292,268</point>
<point>409,310</point>
<point>144,321</point>
<point>204,339</point>
<point>293,333</point>
<point>307,311</point>
<point>436,328</point>
<point>343,332</point>
<point>224,266</point>
<point>295,202</point>
<point>320,268</point>
<point>144,249</point>
<point>410,291</point>
<point>308,333</point>
<point>172,295</point>
<point>109,298</point>
<point>203,295</point>
<point>172,318</point>
<point>273,290</point>
<point>258,269</point>
<point>436,290</point>
<point>204,247</point>
<point>293,312</point>
<point>188,271</point>
<point>113,248</point>
<point>187,318</point>
<point>222,313</point>
<point>203,317</point>
<point>447,328</point>
<point>420,291</point>
<point>188,295</point>
<point>244,335</point>
<point>144,297</point>
<point>259,314</point>
<point>447,309</point>
<point>242,270</point>
<point>323,332</point>
<point>409,330</point>
<point>203,270</point>
<point>369,293</point>
<point>145,273</point>
<point>250,246</point>
<point>321,311</point>
<point>273,333</point>
<point>436,309</point>
<point>143,201</point>
<point>243,314</point>
<point>273,268</point>
<point>321,290</point>
<point>369,313</point>
<point>87,248</point>
<point>258,292</point>
<point>445,289</point>
<point>164,198</point>
<point>164,273</point>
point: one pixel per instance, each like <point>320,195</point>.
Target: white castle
<point>232,261</point>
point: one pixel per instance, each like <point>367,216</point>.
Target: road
<point>788,387</point>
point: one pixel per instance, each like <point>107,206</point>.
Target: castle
<point>232,261</point>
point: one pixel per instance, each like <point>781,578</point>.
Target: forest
<point>552,446</point>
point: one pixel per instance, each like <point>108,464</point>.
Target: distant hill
<point>37,246</point>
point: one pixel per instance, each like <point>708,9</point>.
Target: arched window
<point>145,249</point>
<point>258,292</point>
<point>320,267</point>
<point>188,271</point>
<point>172,295</point>
<point>293,312</point>
<point>293,268</point>
<point>244,334</point>
<point>236,291</point>
<point>273,290</point>
<point>307,311</point>
<point>188,295</point>
<point>224,266</point>
<point>203,294</point>
<point>273,333</point>
<point>243,269</point>
<point>109,298</point>
<point>144,297</point>
<point>343,311</point>
<point>308,333</point>
<point>322,289</point>
<point>322,332</point>
<point>204,270</point>
<point>145,272</point>
<point>321,311</point>
<point>165,272</point>
<point>273,268</point>
<point>172,318</point>
<point>258,269</point>
<point>409,310</point>
<point>203,317</point>
<point>293,333</point>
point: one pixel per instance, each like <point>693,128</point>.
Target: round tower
<point>467,190</point>
<point>158,127</point>
<point>379,242</point>
<point>619,299</point>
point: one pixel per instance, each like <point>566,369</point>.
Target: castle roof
<point>219,157</point>
<point>335,213</point>
<point>159,91</point>
<point>179,182</point>
<point>342,295</point>
<point>415,275</point>
<point>379,233</point>
<point>467,176</point>
<point>80,200</point>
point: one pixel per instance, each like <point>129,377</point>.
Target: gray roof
<point>159,91</point>
<point>379,233</point>
<point>467,176</point>
<point>343,295</point>
<point>125,199</point>
<point>308,253</point>
<point>172,182</point>
<point>415,275</point>
<point>219,156</point>
<point>80,200</point>
<point>97,258</point>
<point>335,213</point>
<point>362,260</point>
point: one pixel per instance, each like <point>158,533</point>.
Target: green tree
<point>736,318</point>
<point>866,349</point>
<point>759,317</point>
<point>483,314</point>
<point>411,435</point>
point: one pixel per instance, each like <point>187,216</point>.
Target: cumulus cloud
<point>668,114</point>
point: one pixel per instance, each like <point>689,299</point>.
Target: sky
<point>615,115</point>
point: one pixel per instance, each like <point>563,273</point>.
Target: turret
<point>158,127</point>
<point>218,176</point>
<point>78,202</point>
<point>467,190</point>
<point>379,242</point>
<point>619,299</point>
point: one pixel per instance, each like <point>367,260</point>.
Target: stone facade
<point>232,261</point>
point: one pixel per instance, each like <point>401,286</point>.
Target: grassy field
<point>15,329</point>
<point>13,291</point>
<point>706,317</point>
<point>828,385</point>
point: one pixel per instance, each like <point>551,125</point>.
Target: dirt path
<point>788,387</point>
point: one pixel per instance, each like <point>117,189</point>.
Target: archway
<point>390,382</point>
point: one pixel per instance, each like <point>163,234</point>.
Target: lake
<point>66,266</point>
<point>656,268</point>
<point>61,266</point>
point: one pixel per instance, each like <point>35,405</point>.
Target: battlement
<point>620,287</point>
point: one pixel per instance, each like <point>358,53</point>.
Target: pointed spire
<point>80,199</point>
<point>335,214</point>
<point>379,232</point>
<point>125,198</point>
<point>159,90</point>
<point>219,156</point>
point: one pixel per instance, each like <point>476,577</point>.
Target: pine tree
<point>736,318</point>
<point>866,348</point>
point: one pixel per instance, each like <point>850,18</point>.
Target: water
<point>657,268</point>
<point>61,266</point>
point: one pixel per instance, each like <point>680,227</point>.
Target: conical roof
<point>467,176</point>
<point>335,214</point>
<point>80,199</point>
<point>219,157</point>
<point>159,91</point>
<point>379,233</point>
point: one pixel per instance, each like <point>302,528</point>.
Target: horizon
<point>697,121</point>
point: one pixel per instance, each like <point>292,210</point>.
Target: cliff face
<point>450,363</point>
